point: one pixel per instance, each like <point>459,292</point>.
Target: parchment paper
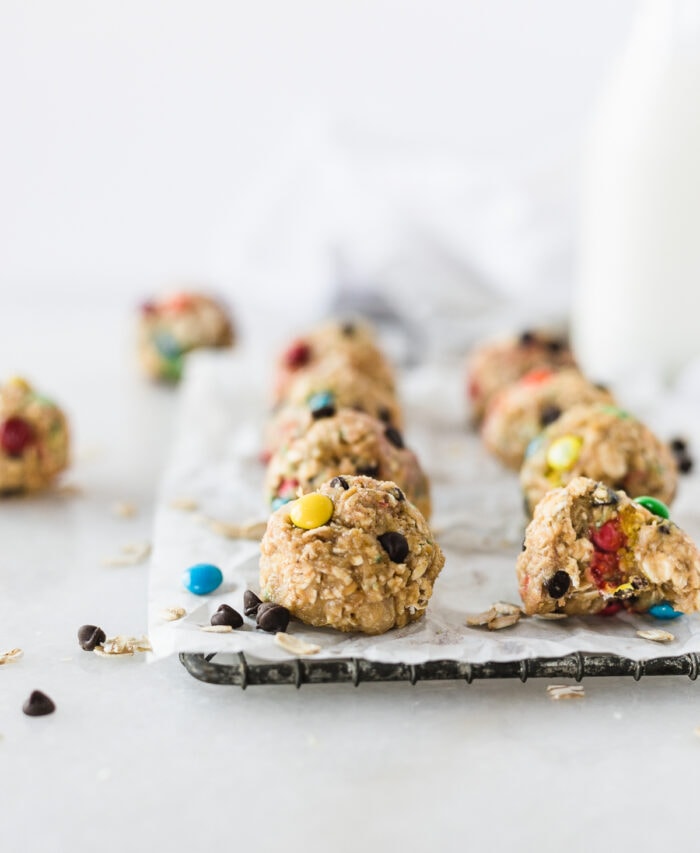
<point>478,521</point>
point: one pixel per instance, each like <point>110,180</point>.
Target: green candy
<point>653,505</point>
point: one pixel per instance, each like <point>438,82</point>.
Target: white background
<point>130,133</point>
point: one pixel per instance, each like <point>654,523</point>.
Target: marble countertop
<point>141,756</point>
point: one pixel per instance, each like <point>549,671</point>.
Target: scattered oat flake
<point>124,509</point>
<point>565,691</point>
<point>503,621</point>
<point>656,635</point>
<point>9,657</point>
<point>499,615</point>
<point>217,629</point>
<point>253,530</point>
<point>172,614</point>
<point>505,608</point>
<point>122,645</point>
<point>132,555</point>
<point>295,645</point>
<point>185,504</point>
<point>481,618</point>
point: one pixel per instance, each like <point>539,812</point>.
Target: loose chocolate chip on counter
<point>685,465</point>
<point>679,448</point>
<point>367,471</point>
<point>90,636</point>
<point>38,705</point>
<point>558,584</point>
<point>340,483</point>
<point>251,602</point>
<point>272,617</point>
<point>549,415</point>
<point>679,445</point>
<point>527,338</point>
<point>400,496</point>
<point>395,545</point>
<point>323,412</point>
<point>394,436</point>
<point>226,615</point>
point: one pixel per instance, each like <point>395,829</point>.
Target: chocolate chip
<point>340,483</point>
<point>558,584</point>
<point>556,346</point>
<point>524,546</point>
<point>90,636</point>
<point>394,436</point>
<point>323,412</point>
<point>384,415</point>
<point>609,498</point>
<point>348,329</point>
<point>664,528</point>
<point>272,617</point>
<point>251,602</point>
<point>395,545</point>
<point>38,705</point>
<point>685,464</point>
<point>400,496</point>
<point>527,338</point>
<point>226,615</point>
<point>549,415</point>
<point>367,471</point>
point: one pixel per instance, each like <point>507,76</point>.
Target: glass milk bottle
<point>636,301</point>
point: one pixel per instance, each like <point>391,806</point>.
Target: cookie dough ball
<point>604,443</point>
<point>495,365</point>
<point>354,555</point>
<point>34,439</point>
<point>519,412</point>
<point>589,548</point>
<point>325,390</point>
<point>347,442</point>
<point>351,343</point>
<point>172,326</point>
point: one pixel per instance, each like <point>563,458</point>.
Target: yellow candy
<point>19,382</point>
<point>311,511</point>
<point>564,452</point>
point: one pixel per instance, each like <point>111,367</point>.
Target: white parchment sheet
<point>477,519</point>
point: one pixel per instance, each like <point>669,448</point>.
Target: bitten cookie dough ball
<point>590,548</point>
<point>173,326</point>
<point>354,555</point>
<point>351,343</point>
<point>519,412</point>
<point>323,391</point>
<point>604,443</point>
<point>347,442</point>
<point>495,365</point>
<point>34,441</point>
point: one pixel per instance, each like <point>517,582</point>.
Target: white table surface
<point>144,757</point>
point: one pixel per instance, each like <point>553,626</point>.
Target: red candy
<point>608,537</point>
<point>297,355</point>
<point>611,609</point>
<point>287,487</point>
<point>534,377</point>
<point>605,570</point>
<point>15,435</point>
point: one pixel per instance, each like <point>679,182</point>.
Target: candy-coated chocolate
<point>311,511</point>
<point>663,611</point>
<point>322,400</point>
<point>202,578</point>
<point>564,452</point>
<point>653,505</point>
<point>279,501</point>
<point>15,435</point>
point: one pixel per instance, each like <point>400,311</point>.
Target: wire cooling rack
<point>578,665</point>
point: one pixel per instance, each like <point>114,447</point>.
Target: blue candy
<point>321,400</point>
<point>278,502</point>
<point>533,446</point>
<point>663,611</point>
<point>202,578</point>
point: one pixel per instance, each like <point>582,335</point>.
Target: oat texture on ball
<point>346,442</point>
<point>355,556</point>
<point>520,411</point>
<point>590,548</point>
<point>496,364</point>
<point>174,325</point>
<point>350,342</point>
<point>603,443</point>
<point>34,438</point>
